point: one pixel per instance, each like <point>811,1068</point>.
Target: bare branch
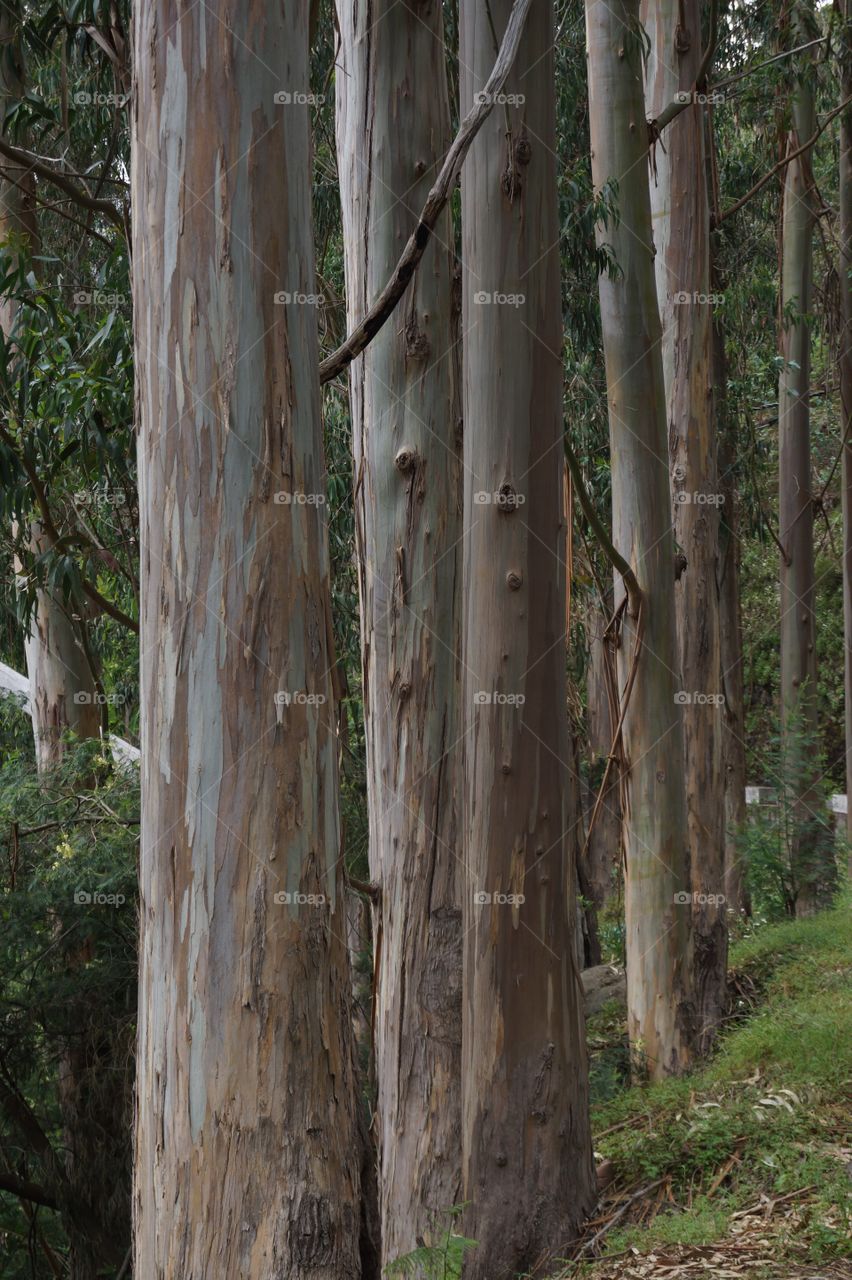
<point>615,558</point>
<point>35,164</point>
<point>52,205</point>
<point>27,1190</point>
<point>54,537</point>
<point>793,155</point>
<point>387,300</point>
<point>750,71</point>
<point>684,100</point>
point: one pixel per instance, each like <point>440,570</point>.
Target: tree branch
<point>35,164</point>
<point>785,53</point>
<point>67,1202</point>
<point>106,606</point>
<point>437,198</point>
<point>686,99</point>
<point>21,1115</point>
<point>27,1190</point>
<point>634,591</point>
<point>793,155</point>
<point>54,206</point>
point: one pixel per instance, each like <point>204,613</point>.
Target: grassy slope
<point>769,1115</point>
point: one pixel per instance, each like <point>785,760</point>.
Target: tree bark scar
<point>417,345</point>
<point>313,1232</point>
<point>400,575</point>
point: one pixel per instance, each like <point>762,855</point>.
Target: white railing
<point>17,687</point>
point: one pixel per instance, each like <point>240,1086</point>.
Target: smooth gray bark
<point>658,888</point>
<point>680,216</point>
<point>393,129</point>
<point>810,851</point>
<point>527,1155</point>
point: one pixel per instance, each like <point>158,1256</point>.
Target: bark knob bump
<point>514,580</point>
<point>406,460</point>
<point>507,499</point>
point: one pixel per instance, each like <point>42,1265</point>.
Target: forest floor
<point>743,1168</point>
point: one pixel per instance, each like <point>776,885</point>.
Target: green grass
<point>776,1097</point>
<point>704,1223</point>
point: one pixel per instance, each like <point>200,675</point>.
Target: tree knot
<point>406,460</point>
<point>507,499</point>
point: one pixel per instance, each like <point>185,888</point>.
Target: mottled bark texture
<point>845,362</point>
<point>246,1139</point>
<point>680,216</point>
<point>526,1153</point>
<point>810,852</point>
<point>657,890</point>
<point>393,129</point>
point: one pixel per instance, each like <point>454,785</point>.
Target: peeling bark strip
<point>680,215</point>
<point>527,1151</point>
<point>392,130</point>
<point>655,837</point>
<point>246,1152</point>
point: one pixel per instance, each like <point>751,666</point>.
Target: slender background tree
<point>680,215</point>
<point>658,897</point>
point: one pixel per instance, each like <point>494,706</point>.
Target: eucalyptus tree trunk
<point>603,867</point>
<point>63,693</point>
<point>680,215</point>
<point>809,850</point>
<point>657,889</point>
<point>393,129</point>
<point>526,1151</point>
<point>246,1130</point>
<point>844,270</point>
<point>730,642</point>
